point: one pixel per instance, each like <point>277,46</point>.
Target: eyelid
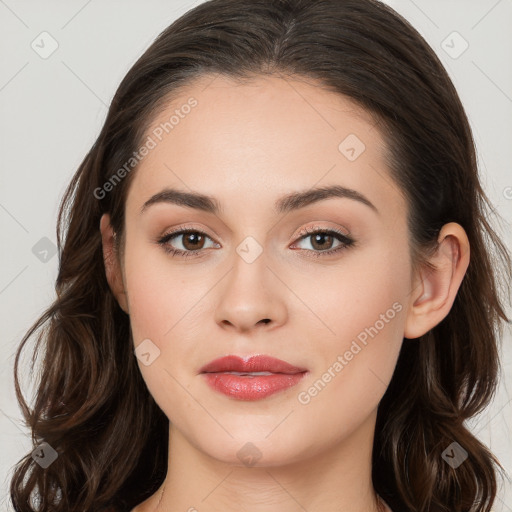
<point>344,238</point>
<point>181,230</point>
<point>343,231</point>
<point>308,230</point>
<point>185,227</point>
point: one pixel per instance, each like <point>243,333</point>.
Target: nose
<point>250,297</point>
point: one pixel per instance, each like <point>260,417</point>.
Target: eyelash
<point>346,242</point>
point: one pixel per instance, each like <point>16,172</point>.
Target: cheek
<point>344,299</point>
<point>363,309</point>
<point>160,296</point>
<point>163,308</point>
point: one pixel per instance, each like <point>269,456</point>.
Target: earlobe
<point>434,290</point>
<point>111,261</point>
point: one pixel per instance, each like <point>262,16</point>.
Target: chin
<point>256,450</point>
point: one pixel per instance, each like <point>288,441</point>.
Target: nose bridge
<point>250,293</point>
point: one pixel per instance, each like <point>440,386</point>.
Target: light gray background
<point>52,110</point>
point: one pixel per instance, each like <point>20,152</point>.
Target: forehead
<point>262,135</point>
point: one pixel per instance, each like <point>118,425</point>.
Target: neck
<point>337,479</point>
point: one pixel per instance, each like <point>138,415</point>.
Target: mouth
<point>246,374</point>
<point>258,364</point>
<point>254,378</point>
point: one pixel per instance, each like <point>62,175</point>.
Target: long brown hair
<point>91,403</point>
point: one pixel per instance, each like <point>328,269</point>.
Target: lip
<point>279,375</point>
<point>257,363</point>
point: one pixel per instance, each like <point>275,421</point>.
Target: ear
<point>112,263</point>
<point>434,291</point>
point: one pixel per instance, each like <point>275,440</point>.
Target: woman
<point>274,291</point>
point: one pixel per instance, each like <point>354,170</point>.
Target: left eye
<point>324,240</point>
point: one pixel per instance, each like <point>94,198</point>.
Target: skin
<point>248,145</point>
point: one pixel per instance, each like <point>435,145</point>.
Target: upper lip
<point>257,363</point>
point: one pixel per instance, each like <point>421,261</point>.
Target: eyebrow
<point>285,204</point>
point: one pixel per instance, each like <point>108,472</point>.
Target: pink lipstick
<point>252,379</point>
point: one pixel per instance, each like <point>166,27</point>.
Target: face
<point>321,282</point>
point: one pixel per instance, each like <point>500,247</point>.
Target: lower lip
<point>251,388</point>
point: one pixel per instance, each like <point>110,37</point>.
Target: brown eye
<point>321,241</point>
<point>186,242</point>
<point>193,240</point>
